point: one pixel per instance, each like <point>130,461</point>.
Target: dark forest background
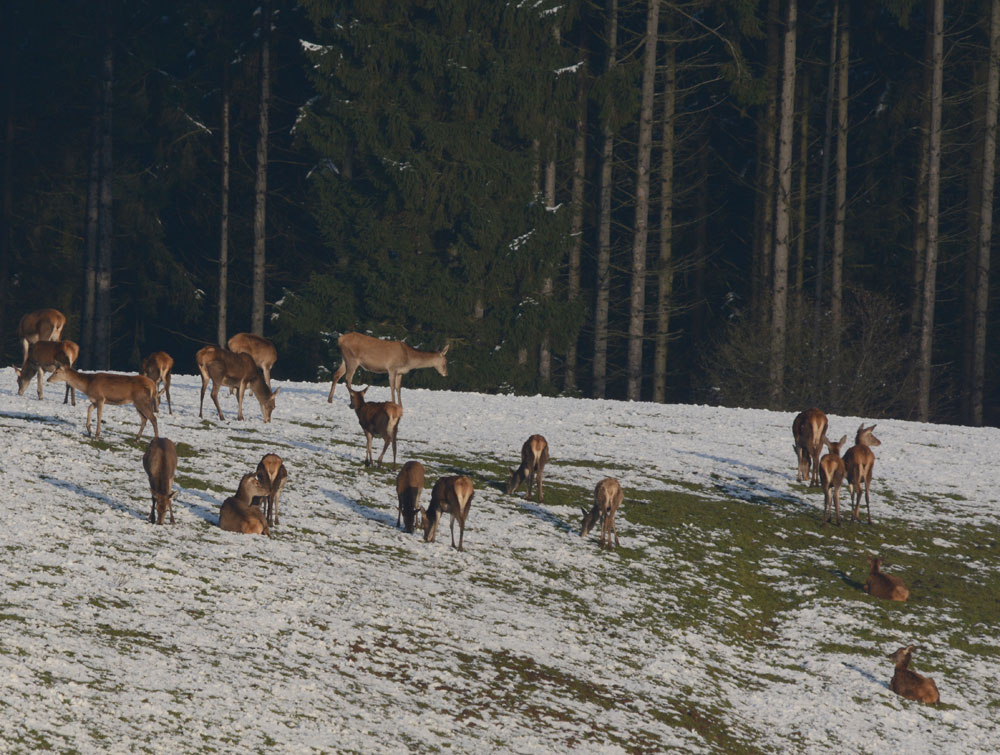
<point>774,203</point>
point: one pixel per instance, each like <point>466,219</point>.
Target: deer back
<point>260,349</point>
<point>156,365</point>
<point>160,463</point>
<point>608,496</point>
<point>271,471</point>
<point>908,683</point>
<point>884,586</point>
<point>41,325</point>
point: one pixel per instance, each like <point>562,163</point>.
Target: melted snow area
<point>343,633</point>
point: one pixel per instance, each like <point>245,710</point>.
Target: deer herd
<point>246,363</point>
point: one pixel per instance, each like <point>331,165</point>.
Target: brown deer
<point>534,456</point>
<point>107,388</point>
<point>452,495</point>
<point>260,349</point>
<point>227,368</point>
<point>409,486</point>
<point>44,356</point>
<point>859,462</point>
<point>238,515</point>
<point>908,683</point>
<point>160,463</point>
<point>272,475</point>
<point>608,497</point>
<point>394,358</point>
<point>808,430</point>
<point>40,325</point>
<point>831,477</point>
<point>157,367</point>
<point>377,418</point>
<point>882,585</point>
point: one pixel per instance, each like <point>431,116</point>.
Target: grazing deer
<point>909,683</point>
<point>157,367</point>
<point>260,349</point>
<point>831,477</point>
<point>409,486</point>
<point>160,463</point>
<point>40,325</point>
<point>272,475</point>
<point>809,429</point>
<point>882,585</point>
<point>608,497</point>
<point>238,515</point>
<point>452,495</point>
<point>44,356</point>
<point>859,462</point>
<point>377,418</point>
<point>106,388</point>
<point>394,358</point>
<point>227,368</point>
<point>534,456</point>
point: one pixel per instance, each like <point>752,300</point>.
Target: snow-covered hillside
<point>728,621</point>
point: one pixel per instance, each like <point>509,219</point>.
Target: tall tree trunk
<point>933,187</point>
<point>221,330</point>
<point>800,235</point>
<point>974,202</point>
<point>824,184</point>
<point>779,296</point>
<point>767,143</point>
<point>840,191</point>
<point>90,264</point>
<point>102,324</point>
<point>600,365</point>
<point>576,224</point>
<point>260,186</point>
<point>637,296</point>
<point>920,194</point>
<point>665,264</point>
<point>545,346</point>
<point>6,231</point>
<point>986,220</point>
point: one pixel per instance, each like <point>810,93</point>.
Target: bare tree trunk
<point>221,329</point>
<point>665,268</point>
<point>800,241</point>
<point>779,296</point>
<point>974,202</point>
<point>920,205</point>
<point>986,220</point>
<point>637,297</point>
<point>260,186</point>
<point>102,326</point>
<point>840,191</point>
<point>933,187</point>
<point>6,232</point>
<point>90,264</point>
<point>576,225</point>
<point>700,261</point>
<point>600,366</point>
<point>825,173</point>
<point>767,135</point>
<point>545,347</point>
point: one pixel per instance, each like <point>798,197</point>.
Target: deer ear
<point>17,370</point>
<point>173,494</point>
<point>843,439</point>
<point>276,391</point>
<point>445,349</point>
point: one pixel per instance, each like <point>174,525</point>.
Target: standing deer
<point>534,456</point>
<point>608,497</point>
<point>860,463</point>
<point>40,325</point>
<point>107,388</point>
<point>908,683</point>
<point>238,515</point>
<point>157,367</point>
<point>394,358</point>
<point>45,356</point>
<point>882,585</point>
<point>452,495</point>
<point>409,486</point>
<point>831,477</point>
<point>260,349</point>
<point>272,475</point>
<point>160,463</point>
<point>809,429</point>
<point>377,418</point>
<point>239,371</point>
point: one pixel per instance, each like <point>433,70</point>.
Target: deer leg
<point>166,389</point>
<point>204,384</point>
<point>868,502</point>
<point>215,398</point>
<point>239,399</point>
<point>39,374</point>
<point>100,413</point>
<point>541,496</point>
<point>337,376</point>
<point>836,502</point>
<point>152,512</point>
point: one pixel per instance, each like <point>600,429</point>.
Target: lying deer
<point>859,462</point>
<point>260,349</point>
<point>157,367</point>
<point>377,418</point>
<point>882,585</point>
<point>808,430</point>
<point>226,368</point>
<point>534,456</point>
<point>608,497</point>
<point>272,475</point>
<point>394,358</point>
<point>160,463</point>
<point>44,356</point>
<point>452,495</point>
<point>107,388</point>
<point>409,486</point>
<point>831,477</point>
<point>238,515</point>
<point>909,683</point>
<point>40,325</point>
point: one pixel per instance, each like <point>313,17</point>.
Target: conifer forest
<point>757,203</point>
